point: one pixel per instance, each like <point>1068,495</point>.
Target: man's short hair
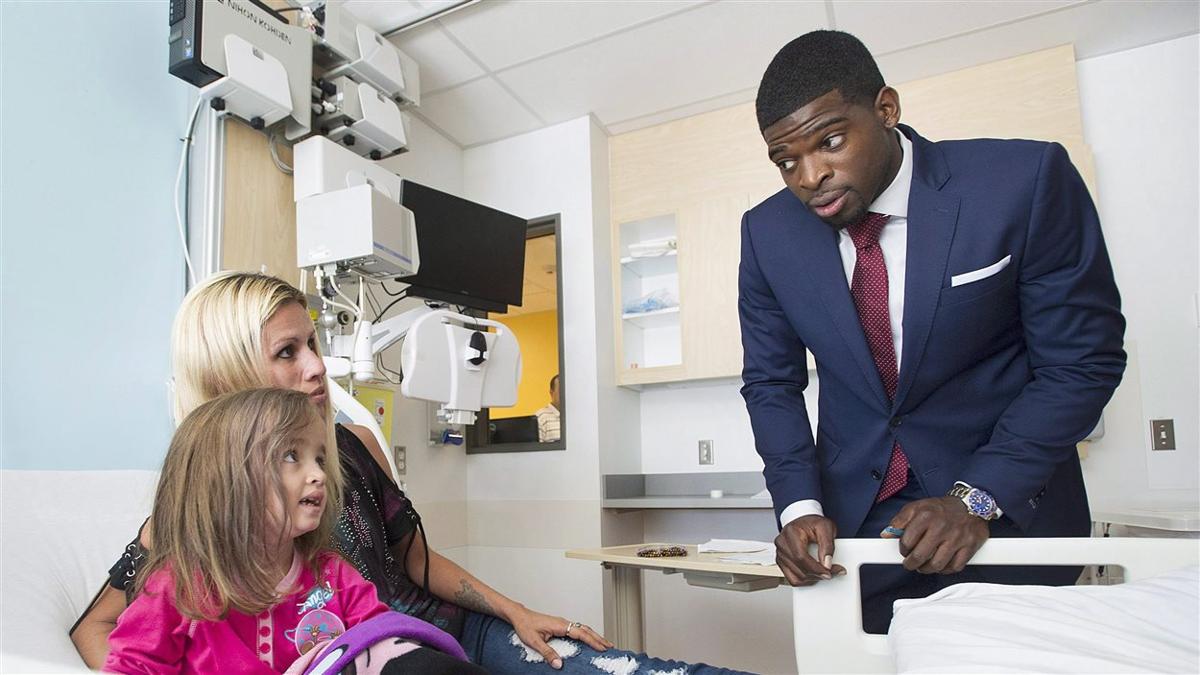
<point>811,66</point>
<point>553,381</point>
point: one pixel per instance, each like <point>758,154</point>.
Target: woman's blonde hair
<point>210,528</point>
<point>216,341</point>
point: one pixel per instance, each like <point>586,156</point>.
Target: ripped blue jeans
<point>493,644</point>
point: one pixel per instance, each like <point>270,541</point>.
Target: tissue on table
<point>764,557</point>
<point>733,546</point>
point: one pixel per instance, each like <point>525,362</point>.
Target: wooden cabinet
<point>709,253</point>
<point>676,314</point>
<point>700,174</point>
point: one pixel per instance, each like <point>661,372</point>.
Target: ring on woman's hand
<point>573,624</point>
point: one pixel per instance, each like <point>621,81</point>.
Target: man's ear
<point>887,107</point>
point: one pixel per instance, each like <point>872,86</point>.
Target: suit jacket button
<point>895,421</point>
<point>876,475</point>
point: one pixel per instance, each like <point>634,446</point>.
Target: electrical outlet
<point>1162,434</point>
<point>706,452</point>
<point>400,455</point>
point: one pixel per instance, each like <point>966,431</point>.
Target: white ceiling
<point>498,68</point>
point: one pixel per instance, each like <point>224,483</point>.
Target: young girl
<point>239,579</point>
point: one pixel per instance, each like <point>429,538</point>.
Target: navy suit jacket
<point>999,378</point>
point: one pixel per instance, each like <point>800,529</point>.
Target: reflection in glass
<point>537,415</point>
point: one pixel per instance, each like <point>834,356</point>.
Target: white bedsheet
<point>1151,625</point>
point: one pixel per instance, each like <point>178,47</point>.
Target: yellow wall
<point>537,334</point>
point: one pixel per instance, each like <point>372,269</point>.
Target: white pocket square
<point>980,274</point>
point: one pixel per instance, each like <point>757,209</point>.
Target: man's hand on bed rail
<point>799,567</point>
<point>940,535</point>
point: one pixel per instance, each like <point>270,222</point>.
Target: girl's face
<point>290,349</point>
<point>302,474</point>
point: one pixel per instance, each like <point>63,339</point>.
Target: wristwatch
<point>979,502</point>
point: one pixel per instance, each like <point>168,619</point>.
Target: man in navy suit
<point>959,302</point>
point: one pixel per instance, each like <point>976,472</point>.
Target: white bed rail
<point>827,617</point>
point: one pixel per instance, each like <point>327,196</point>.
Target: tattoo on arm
<point>469,598</point>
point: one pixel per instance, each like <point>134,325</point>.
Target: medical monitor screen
<point>471,254</point>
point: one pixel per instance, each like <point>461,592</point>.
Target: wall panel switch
<point>1162,434</point>
<point>400,455</point>
<point>706,452</point>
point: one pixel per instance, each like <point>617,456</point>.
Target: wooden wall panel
<point>1031,96</point>
<point>260,214</point>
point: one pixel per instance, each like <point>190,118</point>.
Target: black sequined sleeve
<point>124,571</point>
<point>399,517</point>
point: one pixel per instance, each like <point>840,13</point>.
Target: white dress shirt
<point>893,240</point>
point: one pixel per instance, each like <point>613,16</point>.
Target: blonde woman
<point>240,331</point>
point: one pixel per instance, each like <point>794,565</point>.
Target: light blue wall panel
<point>91,270</point>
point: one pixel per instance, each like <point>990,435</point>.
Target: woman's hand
<point>535,630</point>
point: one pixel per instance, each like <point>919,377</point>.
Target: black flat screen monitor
<point>471,254</point>
<point>513,430</point>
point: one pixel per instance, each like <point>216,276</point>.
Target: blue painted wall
<point>90,265</point>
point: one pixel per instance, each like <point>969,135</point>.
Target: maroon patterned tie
<point>869,288</point>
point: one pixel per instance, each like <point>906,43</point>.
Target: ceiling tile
<point>443,64</point>
<point>709,52</point>
<point>478,112</point>
<point>687,110</point>
<point>1094,28</point>
<point>505,33</point>
<point>387,15</point>
<point>888,25</point>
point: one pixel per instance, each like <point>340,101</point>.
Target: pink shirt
<point>153,637</point>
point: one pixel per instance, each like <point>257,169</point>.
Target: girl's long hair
<point>210,527</point>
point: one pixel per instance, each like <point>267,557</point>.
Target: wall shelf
<point>659,318</point>
<point>647,340</point>
<point>652,265</point>
<point>685,491</point>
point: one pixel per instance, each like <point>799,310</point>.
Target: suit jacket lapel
<point>820,259</point>
<point>932,218</point>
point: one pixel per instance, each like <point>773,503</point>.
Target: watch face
<point>981,503</point>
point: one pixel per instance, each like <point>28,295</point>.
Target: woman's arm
<point>452,583</point>
<point>91,635</point>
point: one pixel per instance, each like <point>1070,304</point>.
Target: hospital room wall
<point>526,509</point>
<point>436,477</point>
<point>91,264</point>
<point>1147,178</point>
<point>1140,117</point>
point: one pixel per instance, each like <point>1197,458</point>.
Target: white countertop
<point>1178,517</point>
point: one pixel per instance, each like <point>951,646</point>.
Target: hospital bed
<point>1148,624</point>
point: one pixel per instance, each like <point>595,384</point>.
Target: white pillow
<point>61,532</point>
<point>1151,625</point>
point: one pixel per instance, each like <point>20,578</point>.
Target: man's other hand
<point>793,558</point>
<point>940,535</point>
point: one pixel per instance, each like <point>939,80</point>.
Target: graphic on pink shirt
<point>317,598</point>
<point>314,628</point>
<point>319,624</point>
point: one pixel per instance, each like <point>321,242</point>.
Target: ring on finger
<point>573,624</point>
